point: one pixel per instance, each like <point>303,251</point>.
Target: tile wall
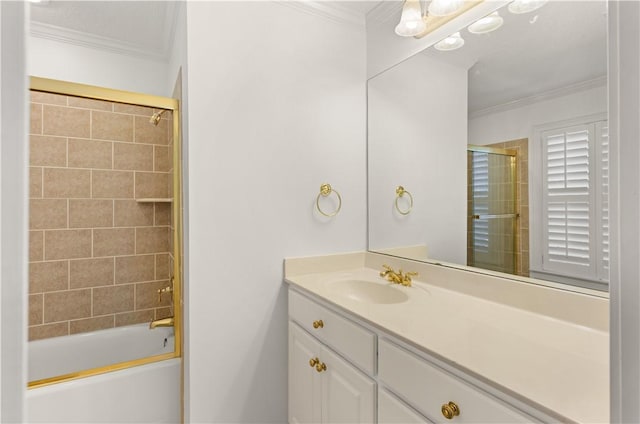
<point>97,256</point>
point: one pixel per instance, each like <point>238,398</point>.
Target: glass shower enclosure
<point>492,224</point>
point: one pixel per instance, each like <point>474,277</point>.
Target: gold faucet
<point>397,277</point>
<point>164,322</point>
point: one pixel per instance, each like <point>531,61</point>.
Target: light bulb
<point>452,42</point>
<point>487,24</point>
<point>445,7</point>
<point>525,6</point>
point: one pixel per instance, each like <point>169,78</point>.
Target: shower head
<point>155,118</point>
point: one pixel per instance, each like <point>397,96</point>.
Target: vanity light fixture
<point>445,7</point>
<point>39,2</point>
<point>525,6</point>
<point>452,42</point>
<point>487,24</point>
<point>411,22</point>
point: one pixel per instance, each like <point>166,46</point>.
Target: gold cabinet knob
<point>450,410</point>
<point>318,324</point>
<point>313,362</point>
<point>321,366</point>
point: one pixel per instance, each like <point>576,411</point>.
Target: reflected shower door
<point>493,217</point>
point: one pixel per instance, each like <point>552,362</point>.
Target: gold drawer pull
<point>318,324</point>
<point>313,362</point>
<point>450,410</point>
<point>321,366</point>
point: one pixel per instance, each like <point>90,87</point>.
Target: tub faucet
<point>397,277</point>
<point>164,322</point>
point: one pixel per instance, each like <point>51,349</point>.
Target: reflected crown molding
<point>548,95</point>
<point>384,11</point>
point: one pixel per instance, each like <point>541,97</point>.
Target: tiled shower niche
<point>97,255</point>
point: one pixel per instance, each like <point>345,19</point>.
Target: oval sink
<point>369,292</point>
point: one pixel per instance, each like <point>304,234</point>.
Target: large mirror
<point>494,155</point>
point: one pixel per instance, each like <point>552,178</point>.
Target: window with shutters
<point>574,207</point>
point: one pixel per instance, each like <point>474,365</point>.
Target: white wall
<point>62,61</point>
<point>518,122</point>
<point>276,107</point>
<point>418,139</point>
<point>13,211</point>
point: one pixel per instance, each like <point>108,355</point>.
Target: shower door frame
<point>516,214</point>
<point>139,99</point>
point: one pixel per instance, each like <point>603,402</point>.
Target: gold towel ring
<point>400,191</point>
<point>326,190</point>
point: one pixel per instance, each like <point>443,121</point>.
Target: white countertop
<point>555,363</point>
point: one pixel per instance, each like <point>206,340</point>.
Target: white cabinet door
<point>304,384</point>
<point>348,396</point>
<point>393,411</point>
<point>337,392</point>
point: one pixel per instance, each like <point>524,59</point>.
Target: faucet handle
<point>386,269</point>
<point>167,289</point>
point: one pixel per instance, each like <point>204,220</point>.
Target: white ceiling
<point>563,44</point>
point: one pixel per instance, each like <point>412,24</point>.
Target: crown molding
<point>547,95</point>
<point>327,10</point>
<point>96,42</point>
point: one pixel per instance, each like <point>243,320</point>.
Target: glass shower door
<point>492,221</point>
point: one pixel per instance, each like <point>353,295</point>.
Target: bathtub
<point>148,393</point>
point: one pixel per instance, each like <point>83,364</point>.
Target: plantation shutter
<point>569,236</point>
<point>602,141</point>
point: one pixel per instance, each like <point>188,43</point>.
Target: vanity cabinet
<point>342,370</point>
<point>331,361</point>
<point>324,388</point>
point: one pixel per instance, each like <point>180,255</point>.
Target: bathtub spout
<point>164,322</point>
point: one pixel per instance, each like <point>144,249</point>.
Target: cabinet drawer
<point>349,339</point>
<point>427,387</point>
<point>393,411</point>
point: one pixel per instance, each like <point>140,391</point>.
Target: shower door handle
<point>499,215</point>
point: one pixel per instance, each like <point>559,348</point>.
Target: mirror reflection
<point>501,140</point>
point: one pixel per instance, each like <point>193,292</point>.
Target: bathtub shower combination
<point>105,258</point>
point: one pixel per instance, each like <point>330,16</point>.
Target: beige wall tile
<point>137,317</point>
<point>163,313</point>
<point>35,119</point>
<point>111,126</point>
<point>91,324</point>
<point>149,133</point>
<point>35,309</point>
<point>47,151</point>
<point>134,269</point>
<point>36,245</point>
<point>70,183</point>
<point>112,184</point>
<point>90,103</point>
<point>50,330</point>
<point>66,122</point>
<point>163,214</point>
<point>67,305</point>
<point>133,109</point>
<point>109,300</point>
<point>129,213</point>
<point>48,276</point>
<point>67,244</point>
<point>48,98</point>
<point>85,273</point>
<point>90,213</point>
<point>113,242</point>
<point>161,159</point>
<point>152,240</point>
<point>163,271</point>
<point>136,157</point>
<point>147,295</point>
<point>151,184</point>
<point>35,182</point>
<point>84,153</point>
<point>47,214</point>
